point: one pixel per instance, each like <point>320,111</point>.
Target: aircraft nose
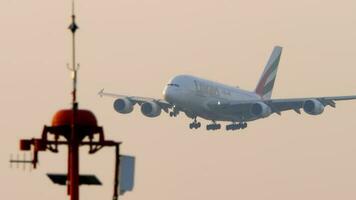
<point>167,93</point>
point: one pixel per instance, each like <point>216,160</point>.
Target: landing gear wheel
<point>228,127</point>
<point>244,125</point>
<point>213,126</point>
<point>198,125</point>
<point>173,114</point>
<point>233,126</point>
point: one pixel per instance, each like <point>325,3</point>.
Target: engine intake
<point>151,109</point>
<point>123,105</point>
<point>313,107</point>
<point>260,110</point>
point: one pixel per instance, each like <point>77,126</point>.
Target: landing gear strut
<point>234,126</point>
<point>195,124</point>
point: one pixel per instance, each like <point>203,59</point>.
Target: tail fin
<point>265,85</point>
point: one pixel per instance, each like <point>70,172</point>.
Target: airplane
<point>197,97</point>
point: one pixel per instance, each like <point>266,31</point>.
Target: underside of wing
<point>312,105</point>
<point>264,108</point>
<point>150,107</point>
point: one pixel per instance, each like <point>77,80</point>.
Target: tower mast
<point>73,147</point>
<point>73,27</point>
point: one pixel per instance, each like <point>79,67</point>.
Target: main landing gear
<point>234,126</point>
<point>195,124</point>
<point>213,126</point>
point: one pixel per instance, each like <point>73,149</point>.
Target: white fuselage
<point>200,97</point>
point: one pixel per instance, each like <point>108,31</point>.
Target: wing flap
<point>278,105</point>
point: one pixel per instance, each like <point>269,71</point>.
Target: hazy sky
<point>135,46</point>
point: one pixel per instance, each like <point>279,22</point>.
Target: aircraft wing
<point>139,100</point>
<point>279,105</point>
<point>276,105</point>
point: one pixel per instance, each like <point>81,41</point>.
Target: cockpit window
<point>173,85</point>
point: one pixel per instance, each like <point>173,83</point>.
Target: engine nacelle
<point>151,109</point>
<point>123,105</point>
<point>260,110</point>
<point>313,107</point>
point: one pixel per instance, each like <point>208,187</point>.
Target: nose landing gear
<point>174,112</point>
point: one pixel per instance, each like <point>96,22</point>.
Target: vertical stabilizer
<point>264,87</point>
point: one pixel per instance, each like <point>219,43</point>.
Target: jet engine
<point>313,107</point>
<point>260,110</point>
<point>123,105</point>
<point>151,109</point>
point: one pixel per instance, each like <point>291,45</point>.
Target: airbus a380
<point>197,97</point>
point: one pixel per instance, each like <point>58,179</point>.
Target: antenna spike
<point>73,28</point>
<point>73,8</point>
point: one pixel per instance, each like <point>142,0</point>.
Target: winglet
<point>101,92</point>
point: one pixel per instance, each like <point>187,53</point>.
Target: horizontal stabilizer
<point>61,179</point>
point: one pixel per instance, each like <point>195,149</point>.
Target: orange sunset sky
<point>134,47</point>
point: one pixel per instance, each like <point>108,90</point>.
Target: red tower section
<point>70,127</point>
